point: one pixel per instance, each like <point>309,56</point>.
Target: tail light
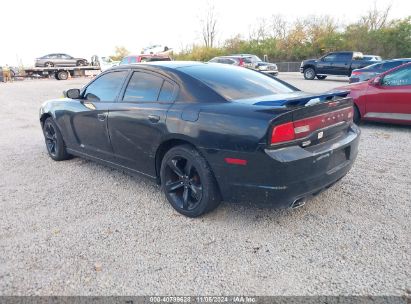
<point>355,73</point>
<point>301,128</point>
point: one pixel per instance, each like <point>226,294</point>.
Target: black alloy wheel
<point>187,181</point>
<point>183,183</point>
<point>54,141</point>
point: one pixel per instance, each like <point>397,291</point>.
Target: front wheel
<point>309,73</point>
<point>54,141</point>
<point>188,182</point>
<point>80,63</point>
<point>357,115</point>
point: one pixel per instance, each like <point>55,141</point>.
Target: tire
<point>321,77</point>
<point>80,63</point>
<point>49,64</point>
<point>357,115</point>
<point>188,182</point>
<point>309,73</point>
<point>62,75</point>
<point>54,141</point>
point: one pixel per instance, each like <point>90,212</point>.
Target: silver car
<point>59,59</point>
<point>249,61</point>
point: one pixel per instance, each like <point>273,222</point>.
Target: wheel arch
<point>43,118</point>
<point>165,146</point>
<point>309,66</point>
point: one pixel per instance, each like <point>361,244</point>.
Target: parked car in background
<point>372,58</point>
<point>207,132</point>
<point>248,61</point>
<point>59,59</point>
<point>104,62</point>
<point>157,49</point>
<point>385,98</point>
<point>144,58</point>
<point>375,69</point>
<point>335,63</point>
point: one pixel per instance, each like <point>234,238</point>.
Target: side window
<point>343,57</point>
<point>124,60</point>
<point>166,93</point>
<point>390,65</point>
<point>401,77</point>
<point>330,57</point>
<point>143,87</point>
<point>132,60</point>
<point>106,87</point>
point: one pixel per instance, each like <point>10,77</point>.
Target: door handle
<point>154,118</point>
<point>102,116</point>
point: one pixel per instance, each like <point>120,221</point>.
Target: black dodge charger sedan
<point>207,132</point>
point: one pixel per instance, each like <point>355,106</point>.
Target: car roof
<point>167,64</point>
<point>148,55</point>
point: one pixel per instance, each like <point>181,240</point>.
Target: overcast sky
<point>82,28</point>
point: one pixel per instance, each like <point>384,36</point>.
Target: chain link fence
<point>288,66</point>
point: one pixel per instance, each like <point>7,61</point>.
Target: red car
<point>385,98</point>
<point>144,58</point>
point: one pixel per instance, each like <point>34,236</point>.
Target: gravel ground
<point>78,228</point>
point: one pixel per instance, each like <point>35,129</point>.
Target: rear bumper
<point>280,177</point>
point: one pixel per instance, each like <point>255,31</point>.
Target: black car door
<point>89,116</point>
<point>325,64</point>
<point>137,122</point>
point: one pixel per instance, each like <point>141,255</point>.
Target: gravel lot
<point>78,228</point>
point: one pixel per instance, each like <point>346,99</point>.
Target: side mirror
<point>376,81</point>
<point>72,93</point>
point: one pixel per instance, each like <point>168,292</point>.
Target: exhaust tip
<point>298,203</point>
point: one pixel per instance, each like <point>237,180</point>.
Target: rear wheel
<point>62,75</point>
<point>321,77</point>
<point>309,73</point>
<point>188,182</point>
<point>54,141</point>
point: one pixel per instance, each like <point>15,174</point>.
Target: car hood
<point>310,60</point>
<point>297,98</point>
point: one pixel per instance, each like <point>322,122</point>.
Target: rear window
<point>236,83</point>
<point>375,66</point>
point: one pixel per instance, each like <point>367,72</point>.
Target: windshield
<point>236,83</point>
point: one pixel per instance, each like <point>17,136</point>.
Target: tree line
<point>374,33</point>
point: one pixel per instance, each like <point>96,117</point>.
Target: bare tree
<point>278,27</point>
<point>376,19</point>
<point>259,31</point>
<point>208,25</point>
